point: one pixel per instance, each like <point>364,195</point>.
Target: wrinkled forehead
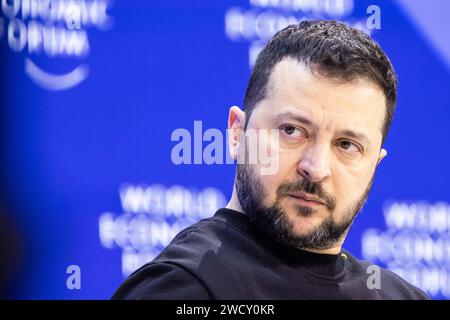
<point>348,105</point>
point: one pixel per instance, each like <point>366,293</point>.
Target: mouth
<point>305,199</point>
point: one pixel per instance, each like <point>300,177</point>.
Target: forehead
<point>329,103</point>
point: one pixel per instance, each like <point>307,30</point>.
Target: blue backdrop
<point>92,93</point>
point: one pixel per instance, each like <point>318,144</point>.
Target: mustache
<point>308,187</point>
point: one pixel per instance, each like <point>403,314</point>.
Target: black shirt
<point>224,257</point>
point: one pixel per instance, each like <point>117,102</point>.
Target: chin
<point>304,224</point>
<point>295,209</point>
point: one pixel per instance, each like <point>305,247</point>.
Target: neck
<point>334,250</point>
<point>234,204</point>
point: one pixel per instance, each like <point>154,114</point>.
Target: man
<point>330,93</point>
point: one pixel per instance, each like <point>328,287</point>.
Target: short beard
<point>273,221</point>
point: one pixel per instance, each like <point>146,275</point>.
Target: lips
<point>306,198</point>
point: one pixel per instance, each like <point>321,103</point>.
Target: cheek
<point>349,185</point>
<point>271,182</point>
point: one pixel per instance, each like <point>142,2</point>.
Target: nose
<point>315,163</point>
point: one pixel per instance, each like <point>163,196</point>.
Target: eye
<point>291,131</point>
<point>348,146</point>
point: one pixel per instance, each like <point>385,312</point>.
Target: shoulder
<point>176,272</point>
<point>161,281</point>
<point>192,243</point>
<point>392,286</point>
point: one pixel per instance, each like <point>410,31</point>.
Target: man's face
<point>329,146</point>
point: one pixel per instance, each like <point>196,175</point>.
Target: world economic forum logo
<point>46,31</point>
<point>151,215</point>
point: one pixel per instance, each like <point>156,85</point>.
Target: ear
<point>383,153</point>
<point>236,124</point>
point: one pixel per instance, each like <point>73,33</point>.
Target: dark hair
<point>331,48</point>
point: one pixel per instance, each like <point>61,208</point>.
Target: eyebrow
<point>355,135</point>
<point>302,119</point>
<point>297,117</point>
